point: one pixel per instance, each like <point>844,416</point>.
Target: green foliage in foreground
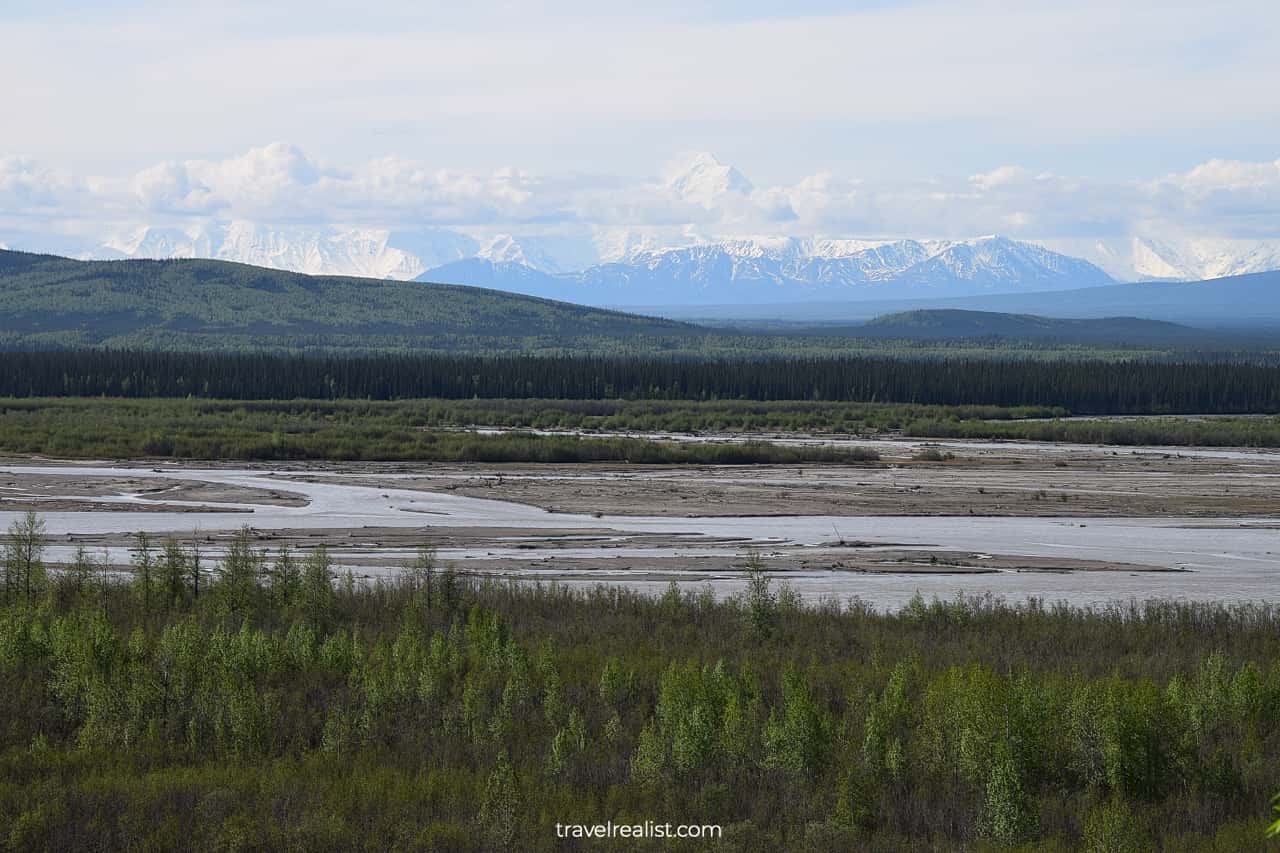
<point>272,711</point>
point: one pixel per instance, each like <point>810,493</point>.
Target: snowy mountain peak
<point>149,242</point>
<point>369,252</point>
<point>621,245</point>
<point>503,248</point>
<point>545,253</point>
<point>1147,258</point>
<point>703,179</point>
<point>1203,259</point>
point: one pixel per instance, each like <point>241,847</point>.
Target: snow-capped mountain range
<point>764,271</point>
<point>622,268</point>
<point>648,267</point>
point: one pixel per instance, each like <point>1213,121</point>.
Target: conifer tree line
<point>1083,387</point>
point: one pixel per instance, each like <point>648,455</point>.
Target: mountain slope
<point>199,304</point>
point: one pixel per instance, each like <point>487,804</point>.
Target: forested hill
<point>952,323</point>
<point>217,305</point>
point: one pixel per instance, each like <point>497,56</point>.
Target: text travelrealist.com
<point>648,829</point>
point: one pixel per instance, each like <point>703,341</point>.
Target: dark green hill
<point>203,304</point>
<point>952,323</point>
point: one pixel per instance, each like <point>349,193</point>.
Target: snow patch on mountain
<point>1146,258</point>
<point>614,245</point>
<point>1204,258</point>
<point>550,253</point>
<point>368,252</point>
<point>704,180</point>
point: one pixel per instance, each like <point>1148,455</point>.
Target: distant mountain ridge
<point>645,267</point>
<point>755,272</point>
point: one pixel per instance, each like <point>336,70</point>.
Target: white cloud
<point>26,184</point>
<point>169,187</point>
<point>281,184</point>
<point>1003,176</point>
<point>1244,197</point>
<point>263,179</point>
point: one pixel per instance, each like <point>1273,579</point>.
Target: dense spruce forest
<point>1081,387</point>
<point>257,704</point>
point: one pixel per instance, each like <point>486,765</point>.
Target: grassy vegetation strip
<point>274,710</point>
<point>1177,432</point>
<point>434,430</point>
<point>322,430</point>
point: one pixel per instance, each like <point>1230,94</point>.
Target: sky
<point>925,119</point>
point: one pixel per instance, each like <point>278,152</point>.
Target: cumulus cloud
<point>1243,196</point>
<point>170,187</point>
<point>24,183</point>
<point>263,179</point>
<point>280,183</point>
<point>996,178</point>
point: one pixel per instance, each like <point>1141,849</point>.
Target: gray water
<point>1222,559</point>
